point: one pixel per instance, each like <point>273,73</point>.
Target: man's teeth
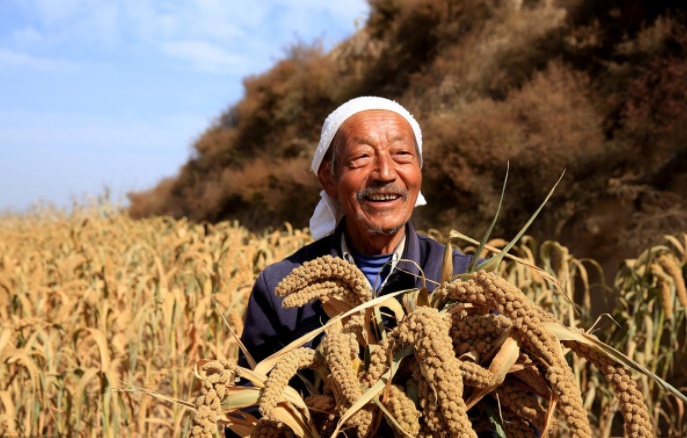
<point>389,197</point>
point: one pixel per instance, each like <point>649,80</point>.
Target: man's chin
<point>380,228</point>
<point>386,232</point>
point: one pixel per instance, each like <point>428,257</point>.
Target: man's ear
<point>327,180</point>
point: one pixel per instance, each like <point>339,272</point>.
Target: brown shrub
<point>597,88</point>
<point>547,126</point>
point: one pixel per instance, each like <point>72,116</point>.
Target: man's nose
<point>385,170</point>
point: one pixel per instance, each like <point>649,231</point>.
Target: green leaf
<point>495,421</point>
<point>493,262</point>
<point>413,392</point>
<point>485,239</point>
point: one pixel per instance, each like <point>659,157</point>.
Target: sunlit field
<point>103,317</point>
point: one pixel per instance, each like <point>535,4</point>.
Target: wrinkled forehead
<point>373,126</point>
<point>357,106</point>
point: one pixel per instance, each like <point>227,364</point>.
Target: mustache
<point>389,189</point>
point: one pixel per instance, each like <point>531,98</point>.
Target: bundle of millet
<point>497,294</point>
<point>451,352</point>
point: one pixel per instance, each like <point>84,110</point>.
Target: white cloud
<point>346,9</point>
<point>205,56</point>
<point>27,35</point>
<point>10,59</point>
<point>209,35</point>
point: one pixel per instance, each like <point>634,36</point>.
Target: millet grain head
<point>379,359</point>
<point>515,426</point>
<point>671,267</point>
<point>323,415</point>
<point>220,376</point>
<point>664,287</point>
<point>495,293</point>
<point>522,403</point>
<point>267,428</point>
<point>429,332</point>
<point>403,409</point>
<point>474,375</point>
<point>345,384</point>
<point>330,271</point>
<point>476,333</point>
<point>632,407</point>
<point>535,379</point>
<point>283,372</point>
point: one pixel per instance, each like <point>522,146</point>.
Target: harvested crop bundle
<point>498,295</point>
<point>423,372</point>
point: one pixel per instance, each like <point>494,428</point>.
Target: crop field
<point>103,318</point>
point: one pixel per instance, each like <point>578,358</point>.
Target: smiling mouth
<point>382,197</point>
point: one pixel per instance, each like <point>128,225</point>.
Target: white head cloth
<point>328,212</point>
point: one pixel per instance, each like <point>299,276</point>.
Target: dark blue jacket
<point>269,327</point>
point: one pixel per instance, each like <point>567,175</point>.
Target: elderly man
<point>369,162</point>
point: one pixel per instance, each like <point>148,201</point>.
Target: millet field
<point>103,319</point>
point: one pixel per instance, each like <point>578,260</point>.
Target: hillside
<point>598,88</point>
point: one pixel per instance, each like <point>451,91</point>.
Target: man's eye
<point>361,160</point>
<point>404,156</point>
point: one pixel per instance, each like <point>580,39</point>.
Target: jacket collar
<point>406,274</point>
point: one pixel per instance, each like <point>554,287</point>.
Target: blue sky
<point>97,93</point>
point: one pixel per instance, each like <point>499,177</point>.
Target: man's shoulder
<point>431,246</point>
<point>274,273</point>
<point>434,253</point>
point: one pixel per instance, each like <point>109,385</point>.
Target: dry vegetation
<point>94,301</point>
<point>596,87</point>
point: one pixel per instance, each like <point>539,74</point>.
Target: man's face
<point>377,174</point>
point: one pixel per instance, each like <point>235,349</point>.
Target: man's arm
<point>462,261</point>
<point>260,333</point>
<point>262,324</point>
